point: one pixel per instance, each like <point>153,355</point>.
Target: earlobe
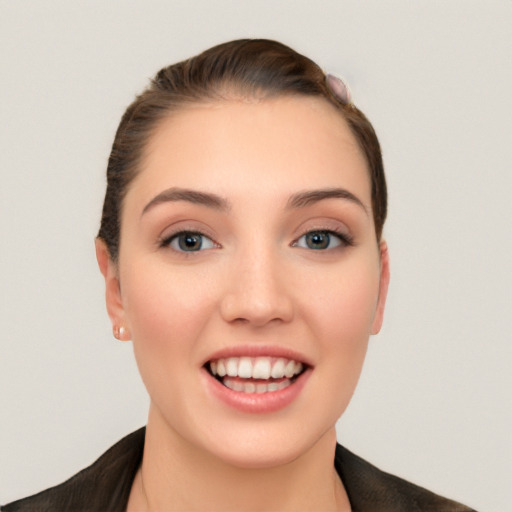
<point>113,298</point>
<point>383,288</point>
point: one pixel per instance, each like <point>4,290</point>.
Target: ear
<point>113,297</point>
<point>383,288</point>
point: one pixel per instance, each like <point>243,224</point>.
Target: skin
<point>255,284</point>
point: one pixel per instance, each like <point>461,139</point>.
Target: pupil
<point>190,242</point>
<point>318,240</point>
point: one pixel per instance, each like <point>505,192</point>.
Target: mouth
<point>256,375</point>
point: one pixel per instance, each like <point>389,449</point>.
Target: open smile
<point>256,384</point>
<point>255,374</point>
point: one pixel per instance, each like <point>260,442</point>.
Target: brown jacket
<point>105,486</point>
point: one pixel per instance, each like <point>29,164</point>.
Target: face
<point>249,276</point>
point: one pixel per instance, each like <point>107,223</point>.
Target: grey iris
<point>318,240</point>
<point>190,242</point>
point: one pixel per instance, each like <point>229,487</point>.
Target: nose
<point>257,292</point>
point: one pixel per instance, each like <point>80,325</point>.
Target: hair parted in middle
<point>245,68</point>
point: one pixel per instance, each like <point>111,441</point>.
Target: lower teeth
<point>255,387</point>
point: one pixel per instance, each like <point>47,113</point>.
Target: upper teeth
<point>256,367</point>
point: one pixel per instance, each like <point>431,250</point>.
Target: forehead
<point>259,147</point>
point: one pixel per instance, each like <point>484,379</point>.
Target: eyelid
<point>327,224</point>
<point>185,225</point>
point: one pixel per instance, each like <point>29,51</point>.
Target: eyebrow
<point>303,199</point>
<point>192,196</point>
<point>299,200</point>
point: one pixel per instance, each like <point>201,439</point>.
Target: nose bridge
<point>257,291</point>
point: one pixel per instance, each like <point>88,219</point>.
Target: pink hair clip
<point>339,88</point>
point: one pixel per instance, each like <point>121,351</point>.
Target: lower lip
<point>257,402</point>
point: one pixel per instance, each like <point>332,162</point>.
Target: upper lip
<point>259,351</point>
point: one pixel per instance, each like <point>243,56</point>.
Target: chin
<point>260,456</point>
<point>266,446</point>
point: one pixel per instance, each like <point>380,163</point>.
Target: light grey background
<point>434,77</point>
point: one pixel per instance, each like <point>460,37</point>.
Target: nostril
<point>257,304</point>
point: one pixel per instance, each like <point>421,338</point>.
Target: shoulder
<point>105,485</point>
<point>370,489</point>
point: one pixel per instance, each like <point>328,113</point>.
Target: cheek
<point>347,301</point>
<point>159,303</point>
<point>166,313</point>
<point>344,316</point>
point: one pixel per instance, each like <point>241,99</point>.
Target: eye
<point>322,240</point>
<point>189,241</point>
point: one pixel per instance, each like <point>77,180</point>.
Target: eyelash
<point>344,240</point>
<point>168,240</point>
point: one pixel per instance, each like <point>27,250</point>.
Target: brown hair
<point>248,67</point>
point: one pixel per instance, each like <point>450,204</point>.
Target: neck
<point>176,475</point>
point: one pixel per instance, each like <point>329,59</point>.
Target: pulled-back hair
<point>248,68</point>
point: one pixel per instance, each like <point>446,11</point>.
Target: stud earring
<point>119,332</point>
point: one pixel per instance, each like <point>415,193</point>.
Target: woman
<point>241,246</point>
